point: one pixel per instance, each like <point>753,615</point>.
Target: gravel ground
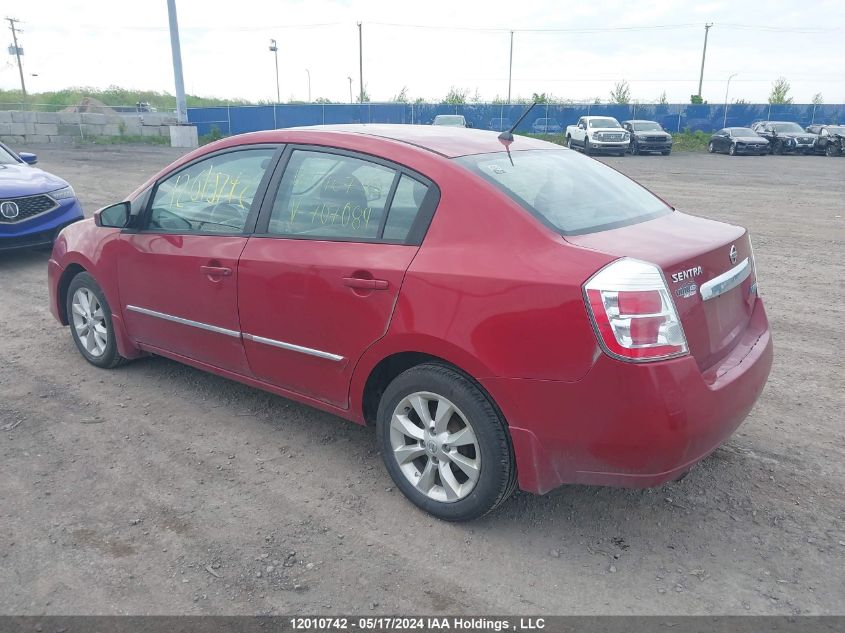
<point>159,489</point>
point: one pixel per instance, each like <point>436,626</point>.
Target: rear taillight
<point>633,312</point>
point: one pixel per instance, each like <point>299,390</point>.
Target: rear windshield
<point>742,131</point>
<point>569,192</point>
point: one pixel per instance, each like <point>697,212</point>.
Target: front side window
<point>211,196</point>
<point>331,196</point>
<point>573,194</point>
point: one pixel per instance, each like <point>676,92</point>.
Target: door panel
<point>309,309</point>
<point>178,273</point>
<point>163,276</point>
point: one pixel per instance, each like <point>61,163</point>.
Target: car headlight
<point>63,194</point>
<point>626,136</point>
<point>596,135</point>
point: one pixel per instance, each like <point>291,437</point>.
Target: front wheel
<point>830,150</point>
<point>588,149</point>
<point>710,147</point>
<point>635,148</point>
<point>666,152</point>
<point>89,317</point>
<point>779,149</point>
<point>732,149</point>
<point>444,443</point>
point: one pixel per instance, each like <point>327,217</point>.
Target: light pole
<point>703,56</point>
<point>309,84</point>
<point>275,50</point>
<point>350,89</point>
<point>510,70</point>
<point>728,87</point>
<point>176,51</point>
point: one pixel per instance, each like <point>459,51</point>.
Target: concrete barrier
<point>21,127</point>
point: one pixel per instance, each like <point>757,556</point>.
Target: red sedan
<point>504,313</point>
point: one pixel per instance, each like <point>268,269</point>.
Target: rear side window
<point>571,193</point>
<point>406,205</point>
<point>331,196</point>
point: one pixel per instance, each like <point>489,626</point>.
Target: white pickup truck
<point>598,134</point>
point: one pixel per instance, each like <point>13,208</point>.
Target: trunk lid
<point>693,251</point>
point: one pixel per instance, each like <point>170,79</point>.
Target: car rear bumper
<point>632,425</point>
<point>41,230</point>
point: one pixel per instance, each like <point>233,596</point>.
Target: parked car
<point>500,124</point>
<point>590,333</point>
<point>785,137</point>
<point>598,134</point>
<point>545,125</point>
<point>34,204</point>
<point>450,120</point>
<point>830,140</point>
<point>738,140</point>
<point>648,136</point>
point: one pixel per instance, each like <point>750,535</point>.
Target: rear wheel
<point>90,320</point>
<point>444,444</point>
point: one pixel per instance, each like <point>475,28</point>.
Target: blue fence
<point>678,117</point>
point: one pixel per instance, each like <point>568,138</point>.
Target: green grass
<point>112,96</point>
<point>125,139</point>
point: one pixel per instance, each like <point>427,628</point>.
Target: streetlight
<point>350,89</point>
<point>309,84</point>
<point>275,50</point>
<point>728,87</point>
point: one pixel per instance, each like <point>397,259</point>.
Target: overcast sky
<point>454,43</point>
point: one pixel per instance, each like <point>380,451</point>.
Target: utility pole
<point>361,60</point>
<point>275,50</point>
<point>510,70</point>
<point>18,52</point>
<point>350,90</point>
<point>703,55</point>
<point>181,105</point>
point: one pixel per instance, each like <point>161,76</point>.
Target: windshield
<point>787,127</point>
<point>6,157</point>
<point>647,126</point>
<point>449,119</point>
<point>573,194</point>
<point>742,131</point>
<point>836,129</point>
<point>603,123</point>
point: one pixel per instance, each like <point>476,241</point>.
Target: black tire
<point>732,149</point>
<point>109,357</point>
<point>587,147</point>
<point>635,148</point>
<point>497,473</point>
<point>779,149</point>
<point>569,142</point>
<point>666,152</point>
<point>711,148</point>
<point>830,150</point>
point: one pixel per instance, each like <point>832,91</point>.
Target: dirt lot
<point>156,488</point>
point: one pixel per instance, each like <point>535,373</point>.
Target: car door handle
<point>215,271</point>
<point>371,284</point>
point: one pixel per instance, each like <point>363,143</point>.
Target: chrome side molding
<point>181,321</point>
<point>234,333</point>
<point>294,348</point>
<point>726,281</point>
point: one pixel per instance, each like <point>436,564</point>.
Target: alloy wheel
<point>89,322</point>
<point>435,446</point>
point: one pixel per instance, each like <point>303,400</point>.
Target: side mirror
<point>29,159</point>
<point>116,216</point>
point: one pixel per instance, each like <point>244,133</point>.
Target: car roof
<point>640,121</point>
<point>446,141</point>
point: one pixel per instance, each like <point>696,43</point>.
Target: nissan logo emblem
<point>733,254</point>
<point>9,209</point>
